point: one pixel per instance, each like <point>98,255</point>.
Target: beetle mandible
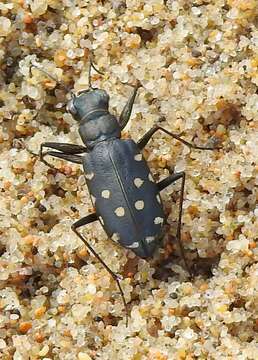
<point>123,192</point>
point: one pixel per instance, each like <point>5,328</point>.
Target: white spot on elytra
<point>149,239</point>
<point>115,237</point>
<point>138,157</point>
<point>150,177</point>
<point>89,176</point>
<point>158,199</point>
<point>138,182</point>
<point>105,194</point>
<point>139,205</point>
<point>134,245</point>
<point>93,199</point>
<point>101,220</point>
<point>120,211</point>
<point>158,220</point>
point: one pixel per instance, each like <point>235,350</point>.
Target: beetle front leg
<point>162,185</point>
<point>65,148</point>
<point>65,151</point>
<point>146,137</point>
<point>127,110</point>
<point>76,159</point>
<point>87,220</point>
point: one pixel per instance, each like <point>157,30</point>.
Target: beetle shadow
<point>170,254</point>
<point>199,267</point>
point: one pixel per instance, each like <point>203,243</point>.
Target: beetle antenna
<point>97,70</point>
<point>52,77</point>
<point>90,85</point>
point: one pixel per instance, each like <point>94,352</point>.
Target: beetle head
<point>87,102</point>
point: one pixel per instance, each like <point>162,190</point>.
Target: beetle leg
<point>127,110</point>
<point>87,220</point>
<point>169,180</point>
<point>69,149</point>
<point>77,159</point>
<point>66,152</point>
<point>162,185</point>
<point>146,137</point>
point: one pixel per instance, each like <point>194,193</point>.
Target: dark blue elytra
<point>127,200</point>
<point>122,189</point>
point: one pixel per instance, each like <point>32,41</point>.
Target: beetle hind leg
<point>162,185</point>
<point>87,220</point>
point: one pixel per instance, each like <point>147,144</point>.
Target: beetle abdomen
<point>126,198</point>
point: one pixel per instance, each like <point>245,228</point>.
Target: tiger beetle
<point>123,192</point>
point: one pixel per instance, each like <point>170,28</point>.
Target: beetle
<point>123,192</point>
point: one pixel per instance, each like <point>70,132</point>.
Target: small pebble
<point>83,356</point>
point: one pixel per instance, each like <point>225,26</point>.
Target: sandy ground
<point>197,62</point>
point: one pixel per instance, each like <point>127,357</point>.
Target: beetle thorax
<point>99,128</point>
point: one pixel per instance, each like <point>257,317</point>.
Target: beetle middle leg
<point>87,220</point>
<point>146,137</point>
<point>65,151</point>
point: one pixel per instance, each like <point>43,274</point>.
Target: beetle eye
<point>71,108</point>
